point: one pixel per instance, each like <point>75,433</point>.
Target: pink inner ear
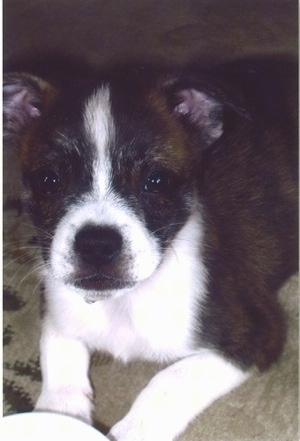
<point>18,107</point>
<point>34,112</point>
<point>202,110</point>
<point>186,105</point>
<point>21,99</point>
<point>181,109</point>
<point>195,103</point>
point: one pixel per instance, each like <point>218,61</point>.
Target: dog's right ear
<point>25,98</point>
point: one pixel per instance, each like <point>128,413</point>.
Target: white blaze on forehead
<point>98,120</point>
<point>99,127</point>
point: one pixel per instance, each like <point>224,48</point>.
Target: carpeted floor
<point>172,32</point>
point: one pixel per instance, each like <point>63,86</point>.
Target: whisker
<point>165,227</point>
<point>30,273</point>
<point>34,229</point>
<point>37,285</point>
<point>18,259</point>
<point>16,273</point>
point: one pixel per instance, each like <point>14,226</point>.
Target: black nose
<point>97,245</point>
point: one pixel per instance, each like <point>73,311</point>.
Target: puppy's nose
<point>97,245</point>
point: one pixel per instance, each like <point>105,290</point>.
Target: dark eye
<point>158,182</point>
<point>47,181</point>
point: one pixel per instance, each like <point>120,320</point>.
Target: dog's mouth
<point>101,282</point>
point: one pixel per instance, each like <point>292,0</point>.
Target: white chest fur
<point>154,320</point>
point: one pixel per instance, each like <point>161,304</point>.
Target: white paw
<point>68,401</point>
<point>129,429</point>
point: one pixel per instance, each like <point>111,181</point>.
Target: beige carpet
<point>172,31</point>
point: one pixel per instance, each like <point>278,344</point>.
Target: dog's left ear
<point>202,111</point>
<point>204,105</point>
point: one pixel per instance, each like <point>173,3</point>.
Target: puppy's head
<point>110,171</point>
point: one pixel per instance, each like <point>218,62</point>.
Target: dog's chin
<point>99,282</point>
<point>99,287</point>
<point>97,296</point>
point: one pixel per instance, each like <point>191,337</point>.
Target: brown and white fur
<point>166,207</point>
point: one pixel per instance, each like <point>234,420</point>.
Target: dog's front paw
<point>77,403</point>
<point>130,429</point>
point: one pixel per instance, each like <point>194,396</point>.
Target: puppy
<point>166,209</point>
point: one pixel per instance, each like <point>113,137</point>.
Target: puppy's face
<point>109,172</point>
